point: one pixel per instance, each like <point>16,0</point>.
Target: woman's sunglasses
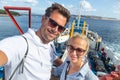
<point>78,50</point>
<point>54,24</point>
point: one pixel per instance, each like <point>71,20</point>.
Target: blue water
<point>1,72</point>
<point>109,30</point>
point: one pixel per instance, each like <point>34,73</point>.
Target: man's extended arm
<point>3,58</point>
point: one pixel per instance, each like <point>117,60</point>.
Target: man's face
<point>52,26</point>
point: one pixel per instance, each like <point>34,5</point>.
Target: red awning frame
<point>8,8</point>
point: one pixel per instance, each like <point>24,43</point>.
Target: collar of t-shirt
<point>83,71</point>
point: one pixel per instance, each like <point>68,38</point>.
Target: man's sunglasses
<point>54,24</point>
<point>78,50</point>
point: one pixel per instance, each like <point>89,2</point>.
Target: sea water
<point>109,30</point>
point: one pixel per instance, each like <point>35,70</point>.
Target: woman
<point>77,67</point>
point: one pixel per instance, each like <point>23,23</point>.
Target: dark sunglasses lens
<point>80,50</point>
<point>53,23</point>
<point>70,48</point>
<point>61,29</point>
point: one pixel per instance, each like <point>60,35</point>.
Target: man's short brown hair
<point>62,10</point>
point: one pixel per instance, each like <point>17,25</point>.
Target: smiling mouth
<point>73,57</point>
<point>51,33</point>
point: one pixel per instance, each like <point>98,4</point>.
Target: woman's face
<point>76,50</point>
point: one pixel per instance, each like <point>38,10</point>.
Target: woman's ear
<point>85,53</point>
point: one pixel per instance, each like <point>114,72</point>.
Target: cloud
<point>72,9</point>
<point>33,2</point>
<point>48,2</point>
<point>116,8</point>
<point>70,6</point>
<point>3,2</point>
<point>86,6</point>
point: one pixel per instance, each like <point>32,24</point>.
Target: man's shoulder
<point>11,39</point>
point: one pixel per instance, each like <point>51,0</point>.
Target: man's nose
<point>56,28</point>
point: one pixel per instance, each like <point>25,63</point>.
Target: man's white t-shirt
<point>39,60</point>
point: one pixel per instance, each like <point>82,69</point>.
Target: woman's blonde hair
<point>83,37</point>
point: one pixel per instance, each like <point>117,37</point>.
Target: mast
<point>80,12</point>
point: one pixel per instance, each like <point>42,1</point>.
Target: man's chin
<point>51,39</point>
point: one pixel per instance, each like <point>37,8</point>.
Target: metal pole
<point>7,8</point>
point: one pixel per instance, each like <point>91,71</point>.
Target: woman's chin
<point>73,60</point>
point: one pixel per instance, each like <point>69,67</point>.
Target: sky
<point>104,8</point>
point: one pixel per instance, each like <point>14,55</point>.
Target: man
<point>37,46</point>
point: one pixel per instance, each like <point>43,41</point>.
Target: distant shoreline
<point>97,17</point>
<point>83,16</point>
<point>3,15</point>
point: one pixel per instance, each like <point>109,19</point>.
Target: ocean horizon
<point>107,29</point>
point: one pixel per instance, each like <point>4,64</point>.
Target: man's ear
<point>43,18</point>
